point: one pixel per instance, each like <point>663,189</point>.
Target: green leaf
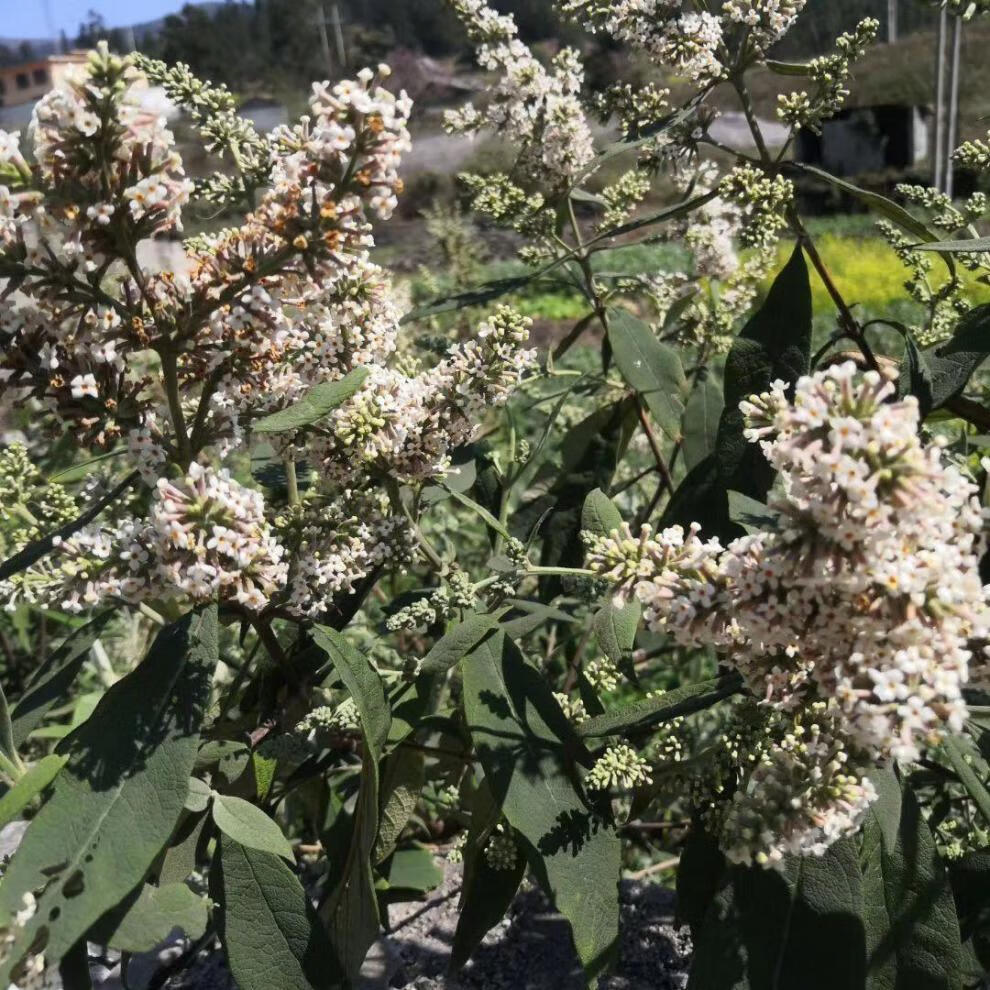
<point>535,617</point>
<point>600,515</point>
<point>403,777</point>
<point>970,877</point>
<point>351,912</point>
<point>699,875</point>
<point>589,452</point>
<point>29,787</point>
<point>414,869</point>
<point>526,747</point>
<point>475,297</point>
<point>154,915</point>
<point>264,773</point>
<point>249,826</point>
<point>650,367</point>
<point>79,472</point>
<point>970,780</point>
<point>787,68</point>
<point>916,375</point>
<point>269,929</point>
<point>180,859</point>
<point>363,683</point>
<point>701,497</point>
<point>750,513</point>
<point>912,932</point>
<point>665,215</point>
<point>117,800</point>
<point>615,628</point>
<point>646,714</point>
<point>701,418</point>
<point>775,344</point>
<point>481,512</point>
<point>799,927</point>
<point>51,683</point>
<point>450,649</point>
<point>879,204</point>
<point>318,402</point>
<point>487,893</point>
<point>7,745</point>
<point>198,798</point>
<point>971,244</point>
<point>952,364</point>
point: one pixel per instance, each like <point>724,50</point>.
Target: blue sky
<point>28,18</point>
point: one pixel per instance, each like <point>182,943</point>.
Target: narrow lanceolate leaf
<point>249,825</point>
<point>487,893</point>
<point>7,745</point>
<point>402,782</point>
<point>912,931</point>
<point>29,787</point>
<point>363,683</point>
<point>50,684</point>
<point>118,798</point>
<point>967,246</point>
<point>318,402</point>
<point>351,910</point>
<point>879,204</point>
<point>600,515</point>
<point>154,915</point>
<point>651,368</point>
<point>775,344</point>
<point>269,929</point>
<point>525,744</point>
<point>655,711</point>
<point>701,418</point>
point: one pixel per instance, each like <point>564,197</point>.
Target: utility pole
<point>939,150</point>
<point>338,34</point>
<point>892,21</point>
<point>953,137</point>
<point>321,24</point>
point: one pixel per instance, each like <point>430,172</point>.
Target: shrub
<point>357,582</point>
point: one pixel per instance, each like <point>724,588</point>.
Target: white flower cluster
<point>174,367</point>
<point>688,38</point>
<point>866,596</point>
<point>766,21</point>
<point>802,795</point>
<point>344,717</point>
<point>73,118</point>
<point>680,36</point>
<point>538,107</point>
<point>407,426</point>
<point>205,537</point>
<point>337,544</point>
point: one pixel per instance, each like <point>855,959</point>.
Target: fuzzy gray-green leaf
<point>525,744</point>
<point>249,825</point>
<point>119,796</point>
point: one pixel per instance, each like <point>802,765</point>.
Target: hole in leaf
<point>75,885</point>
